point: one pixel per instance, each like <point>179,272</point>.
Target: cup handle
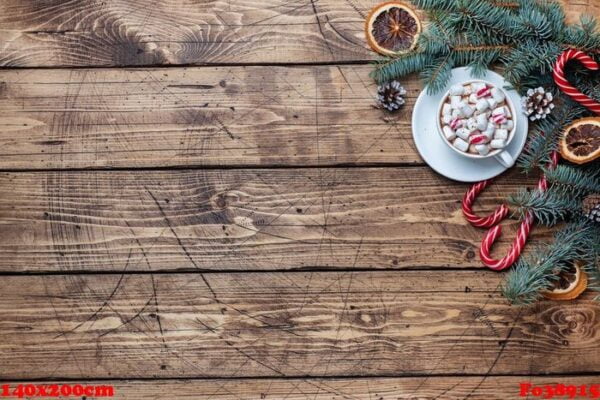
<point>505,159</point>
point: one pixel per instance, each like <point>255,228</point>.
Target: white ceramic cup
<point>500,155</point>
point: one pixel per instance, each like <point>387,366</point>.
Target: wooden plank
<point>424,388</point>
<point>240,116</point>
<point>240,219</point>
<point>293,324</point>
<point>167,32</point>
<point>135,32</point>
<point>577,8</point>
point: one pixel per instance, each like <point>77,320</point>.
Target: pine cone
<point>591,207</point>
<point>538,103</point>
<point>391,96</point>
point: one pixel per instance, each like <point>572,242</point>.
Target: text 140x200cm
<point>56,390</point>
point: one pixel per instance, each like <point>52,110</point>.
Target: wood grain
<point>239,116</point>
<point>167,32</point>
<point>303,324</point>
<point>240,219</point>
<point>423,388</point>
<point>135,32</point>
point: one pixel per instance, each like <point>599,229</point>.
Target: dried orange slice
<point>581,141</point>
<point>570,283</point>
<point>392,28</point>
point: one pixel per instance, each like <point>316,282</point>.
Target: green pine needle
<point>548,208</point>
<point>525,38</point>
<point>535,273</point>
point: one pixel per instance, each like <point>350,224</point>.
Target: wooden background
<point>198,200</point>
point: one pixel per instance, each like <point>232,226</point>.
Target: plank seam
<point>300,377</point>
<point>194,65</point>
<point>176,167</point>
<point>190,271</point>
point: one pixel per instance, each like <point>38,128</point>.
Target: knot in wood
<point>230,198</point>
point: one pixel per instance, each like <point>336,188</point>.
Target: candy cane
<point>467,207</point>
<point>522,234</point>
<point>525,228</point>
<point>565,86</point>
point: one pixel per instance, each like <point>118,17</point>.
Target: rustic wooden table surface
<point>197,200</point>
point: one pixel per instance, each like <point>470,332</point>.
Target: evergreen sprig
<point>535,273</point>
<point>548,208</point>
<point>524,36</point>
<point>572,181</point>
<point>543,137</point>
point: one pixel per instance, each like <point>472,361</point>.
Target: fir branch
<point>543,139</point>
<point>548,208</point>
<point>392,68</point>
<point>584,37</point>
<point>536,273</point>
<point>436,75</point>
<point>532,22</point>
<point>501,48</point>
<point>526,36</point>
<point>440,5</point>
<point>531,55</point>
<point>573,181</point>
<point>484,18</point>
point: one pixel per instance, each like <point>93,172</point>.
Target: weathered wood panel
<point>239,219</point>
<point>316,115</point>
<point>286,324</point>
<point>423,388</point>
<point>135,32</point>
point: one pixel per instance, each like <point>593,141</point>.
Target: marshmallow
<point>499,119</point>
<point>497,143</point>
<point>472,124</point>
<point>448,133</point>
<point>463,133</point>
<point>457,90</point>
<point>456,123</point>
<point>501,134</point>
<point>482,105</point>
<point>482,122</point>
<point>499,115</point>
<point>498,95</point>
<point>446,109</point>
<point>455,101</point>
<point>485,92</point>
<point>477,86</point>
<point>478,139</point>
<point>461,144</point>
<point>508,125</point>
<point>482,149</point>
<point>467,111</point>
<point>476,118</point>
<point>499,111</point>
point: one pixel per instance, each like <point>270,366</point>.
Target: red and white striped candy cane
<point>565,86</point>
<point>525,228</point>
<point>522,234</point>
<point>467,207</point>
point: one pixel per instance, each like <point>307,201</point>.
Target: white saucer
<point>439,156</point>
